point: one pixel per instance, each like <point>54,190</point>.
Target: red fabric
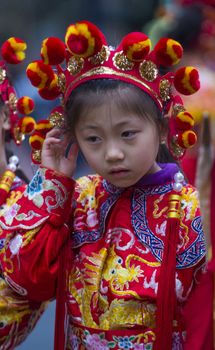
<point>212,217</point>
<point>189,165</point>
<point>60,336</point>
<point>199,310</point>
<point>166,301</point>
<point>108,268</point>
<point>199,315</point>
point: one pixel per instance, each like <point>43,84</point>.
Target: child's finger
<point>50,142</point>
<point>73,153</point>
<point>54,132</point>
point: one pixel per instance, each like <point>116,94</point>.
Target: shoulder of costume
<point>191,247</point>
<point>45,197</point>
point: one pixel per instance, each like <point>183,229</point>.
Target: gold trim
<point>110,71</point>
<point>174,206</point>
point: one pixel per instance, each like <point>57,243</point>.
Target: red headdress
<point>87,56</point>
<point>13,52</point>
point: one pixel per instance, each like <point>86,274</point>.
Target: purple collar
<point>161,177</point>
<point>166,174</point>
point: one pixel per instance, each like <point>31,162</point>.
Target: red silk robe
<point>18,315</point>
<point>114,248</point>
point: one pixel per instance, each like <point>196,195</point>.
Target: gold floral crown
<point>85,55</point>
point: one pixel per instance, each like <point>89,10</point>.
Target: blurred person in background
<point>18,315</point>
<point>192,22</point>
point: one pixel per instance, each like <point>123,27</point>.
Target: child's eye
<point>129,134</point>
<point>93,139</point>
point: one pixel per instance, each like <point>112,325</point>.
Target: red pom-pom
<point>184,121</point>
<point>13,50</point>
<point>43,126</point>
<point>49,94</point>
<point>186,139</point>
<point>36,140</point>
<point>26,125</point>
<point>186,80</point>
<point>53,51</point>
<point>84,39</point>
<point>167,52</point>
<point>25,105</point>
<point>136,46</point>
<point>40,74</point>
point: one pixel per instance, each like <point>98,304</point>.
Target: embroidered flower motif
<point>95,342</point>
<point>125,342</point>
<point>10,213</point>
<point>35,186</point>
<point>15,244</point>
<point>75,342</point>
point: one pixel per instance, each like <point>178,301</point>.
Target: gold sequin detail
<point>56,119</point>
<point>36,155</point>
<point>12,101</point>
<point>18,135</point>
<point>3,75</point>
<point>61,83</point>
<point>110,71</point>
<point>148,70</point>
<point>165,87</point>
<point>178,108</point>
<point>175,149</point>
<point>122,62</point>
<point>75,65</point>
<point>101,56</point>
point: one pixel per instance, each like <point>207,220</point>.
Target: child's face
<point>121,147</point>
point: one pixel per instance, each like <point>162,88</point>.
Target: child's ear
<point>6,118</point>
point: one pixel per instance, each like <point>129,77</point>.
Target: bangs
<point>127,97</point>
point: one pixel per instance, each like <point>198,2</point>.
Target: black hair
<point>83,98</point>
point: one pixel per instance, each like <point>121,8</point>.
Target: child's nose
<point>113,152</point>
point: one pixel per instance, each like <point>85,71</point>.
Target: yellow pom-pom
<point>25,105</point>
<point>136,46</point>
<point>43,126</point>
<point>84,39</point>
<point>187,139</point>
<point>168,52</point>
<point>184,121</point>
<point>41,75</point>
<point>186,80</point>
<point>36,140</point>
<point>13,50</point>
<point>26,125</point>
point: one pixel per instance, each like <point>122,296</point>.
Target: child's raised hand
<point>54,153</point>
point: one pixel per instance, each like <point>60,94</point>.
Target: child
<point>18,315</point>
<point>120,250</point>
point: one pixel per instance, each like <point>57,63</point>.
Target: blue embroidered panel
<point>187,258</point>
<point>196,250</point>
<point>139,220</point>
<point>81,237</point>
